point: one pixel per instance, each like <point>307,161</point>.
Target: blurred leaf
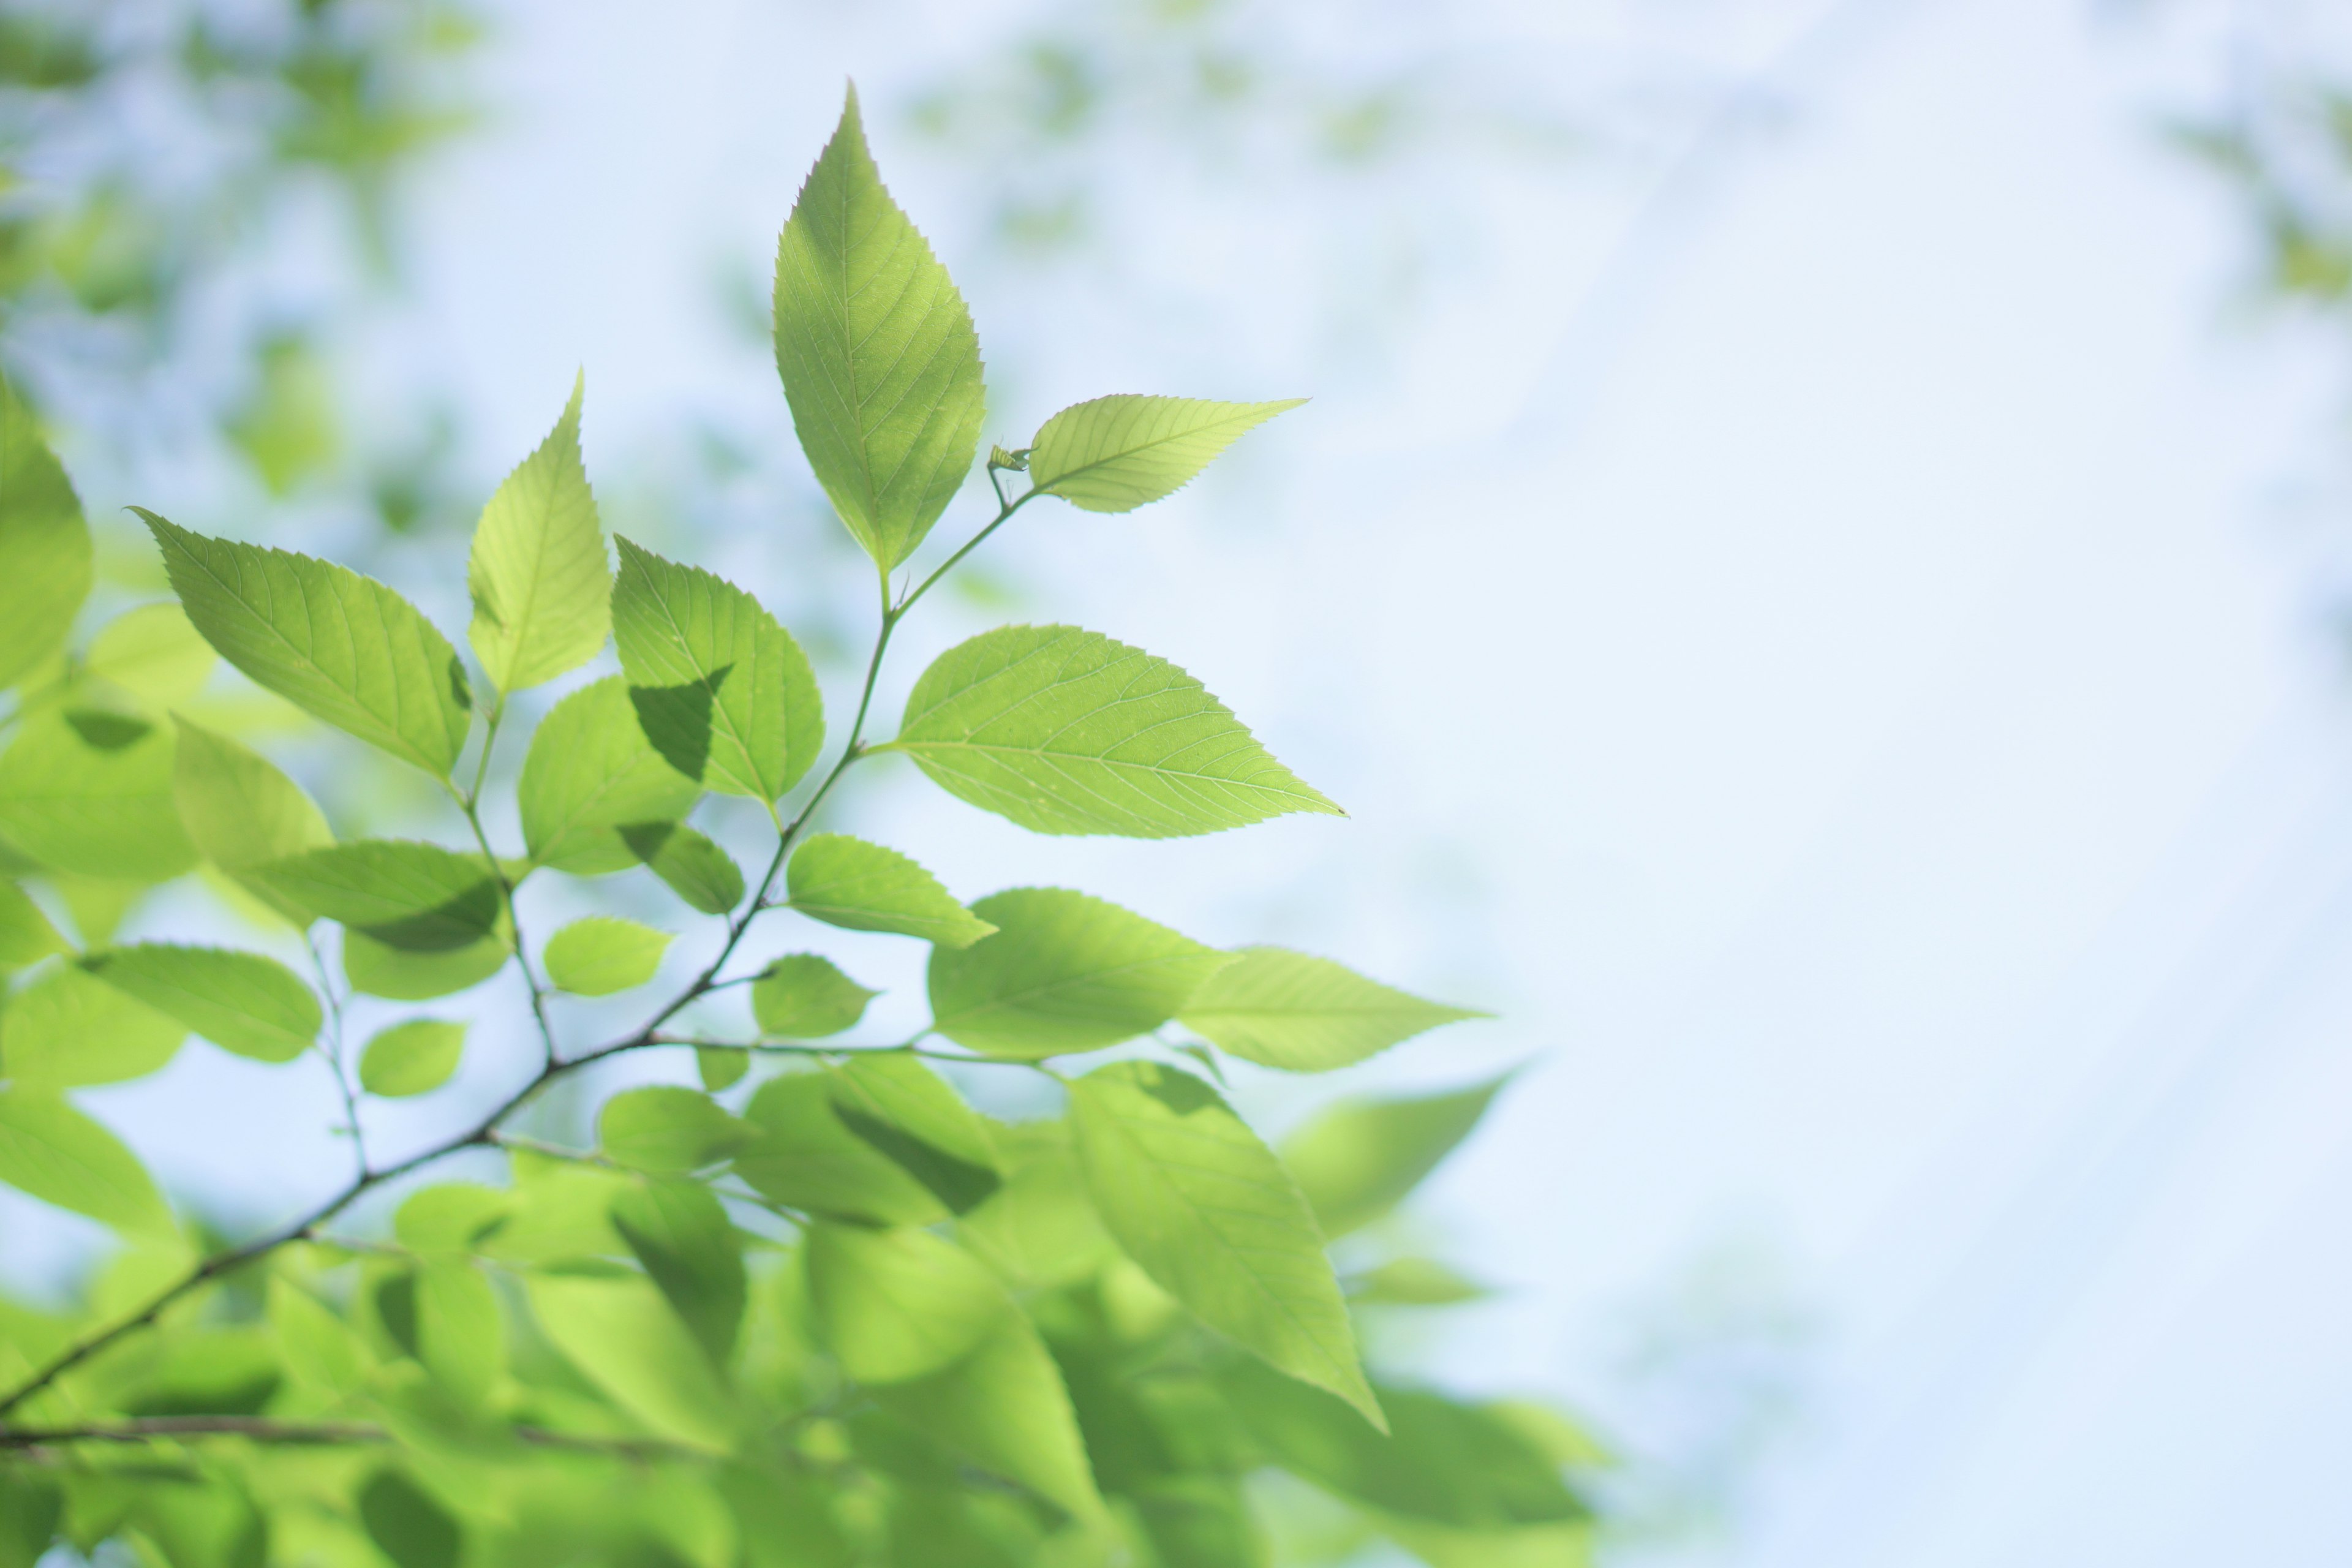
<point>241,1001</point>
<point>722,691</point>
<point>1064,731</point>
<point>911,1115</point>
<point>1415,1282</point>
<point>45,561</point>
<point>1285,1009</point>
<point>414,1056</point>
<point>379,969</point>
<point>720,1069</point>
<point>847,882</point>
<point>1118,453</point>
<point>805,1157</point>
<point>406,1525</point>
<point>1357,1159</point>
<point>286,428</point>
<point>316,1346</point>
<point>68,1030</point>
<point>241,811</point>
<point>460,1329</point>
<point>801,996</point>
<point>51,1152</point>
<point>668,1131</point>
<point>154,653</point>
<point>414,896</point>
<point>591,772</point>
<point>27,933</point>
<point>688,1244</point>
<point>600,955</point>
<point>1215,1219</point>
<point>876,351</point>
<point>541,583</point>
<point>1039,1230</point>
<point>382,673</point>
<point>1063,972</point>
<point>622,1337</point>
<point>92,793</point>
<point>689,864</point>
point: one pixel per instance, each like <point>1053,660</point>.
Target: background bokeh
<point>1815,563</point>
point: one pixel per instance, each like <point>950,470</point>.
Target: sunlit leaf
<point>414,1056</point>
<point>90,792</point>
<point>801,996</point>
<point>1039,1230</point>
<point>154,653</point>
<point>406,1525</point>
<point>68,1028</point>
<point>669,1131</point>
<point>805,1157</point>
<point>911,1115</point>
<point>541,583</point>
<point>621,1335</point>
<point>316,1346</point>
<point>241,811</point>
<point>1357,1159</point>
<point>847,882</point>
<point>1064,731</point>
<point>878,358</point>
<point>600,955</point>
<point>1285,1009</point>
<point>379,969</point>
<point>591,772</point>
<point>1118,453</point>
<point>689,1245</point>
<point>460,1328</point>
<point>1415,1282</point>
<point>45,559</point>
<point>241,1001</point>
<point>405,894</point>
<point>689,864</point>
<point>27,933</point>
<point>51,1152</point>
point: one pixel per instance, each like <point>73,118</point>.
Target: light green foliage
<point>820,1311</point>
<point>591,772</point>
<point>68,1028</point>
<point>801,996</point>
<point>1211,1214</point>
<point>723,691</point>
<point>1357,1159</point>
<point>877,353</point>
<point>1063,973</point>
<point>541,583</point>
<point>90,792</point>
<point>603,954</point>
<point>241,1001</point>
<point>1064,730</point>
<point>343,647</point>
<point>1289,1010</point>
<point>46,558</point>
<point>847,882</point>
<point>413,1056</point>
<point>1118,453</point>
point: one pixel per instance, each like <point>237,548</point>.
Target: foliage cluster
<point>818,1309</point>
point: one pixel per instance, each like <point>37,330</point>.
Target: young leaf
<point>461,1335</point>
<point>154,653</point>
<point>691,866</point>
<point>1040,1231</point>
<point>625,1339</point>
<point>601,954</point>
<point>1118,453</point>
<point>379,969</point>
<point>803,1156</point>
<point>451,1217</point>
<point>910,1113</point>
<point>412,1057</point>
<point>847,882</point>
<point>341,647</point>
<point>718,1068</point>
<point>804,997</point>
<point>27,933</point>
<point>878,358</point>
<point>407,1525</point>
<point>542,587</point>
<point>1359,1159</point>
<point>45,559</point>
<point>722,691</point>
<point>90,792</point>
<point>241,1001</point>
<point>683,1236</point>
<point>1064,730</point>
<point>1215,1219</point>
<point>417,897</point>
<point>591,772</point>
<point>241,811</point>
<point>67,1030</point>
<point>668,1131</point>
<point>1285,1009</point>
<point>1415,1282</point>
<point>1063,973</point>
<point>51,1152</point>
<point>315,1345</point>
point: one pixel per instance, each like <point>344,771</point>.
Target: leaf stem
<point>334,1052</point>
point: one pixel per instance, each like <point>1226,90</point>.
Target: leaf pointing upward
<point>1118,453</point>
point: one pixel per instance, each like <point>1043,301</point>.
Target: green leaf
<point>690,864</point>
<point>343,648</point>
<point>601,954</point>
<point>461,1334</point>
<point>681,1234</point>
<point>405,894</point>
<point>1063,973</point>
<point>908,1112</point>
<point>241,811</point>
<point>591,772</point>
<point>67,1030</point>
<point>154,653</point>
<point>542,587</point>
<point>1450,1463</point>
<point>379,969</point>
<point>1357,1159</point>
<point>1215,1219</point>
<point>804,997</point>
<point>723,691</point>
<point>413,1056</point>
<point>451,1217</point>
<point>942,1345</point>
<point>406,1525</point>
<point>718,1068</point>
<point>1285,1009</point>
<point>45,559</point>
<point>623,1338</point>
<point>805,1157</point>
<point>847,882</point>
<point>51,1152</point>
<point>241,1001</point>
<point>1118,453</point>
<point>668,1131</point>
<point>27,933</point>
<point>1064,731</point>
<point>1415,1282</point>
<point>878,358</point>
<point>1040,1230</point>
<point>316,1346</point>
<point>90,792</point>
